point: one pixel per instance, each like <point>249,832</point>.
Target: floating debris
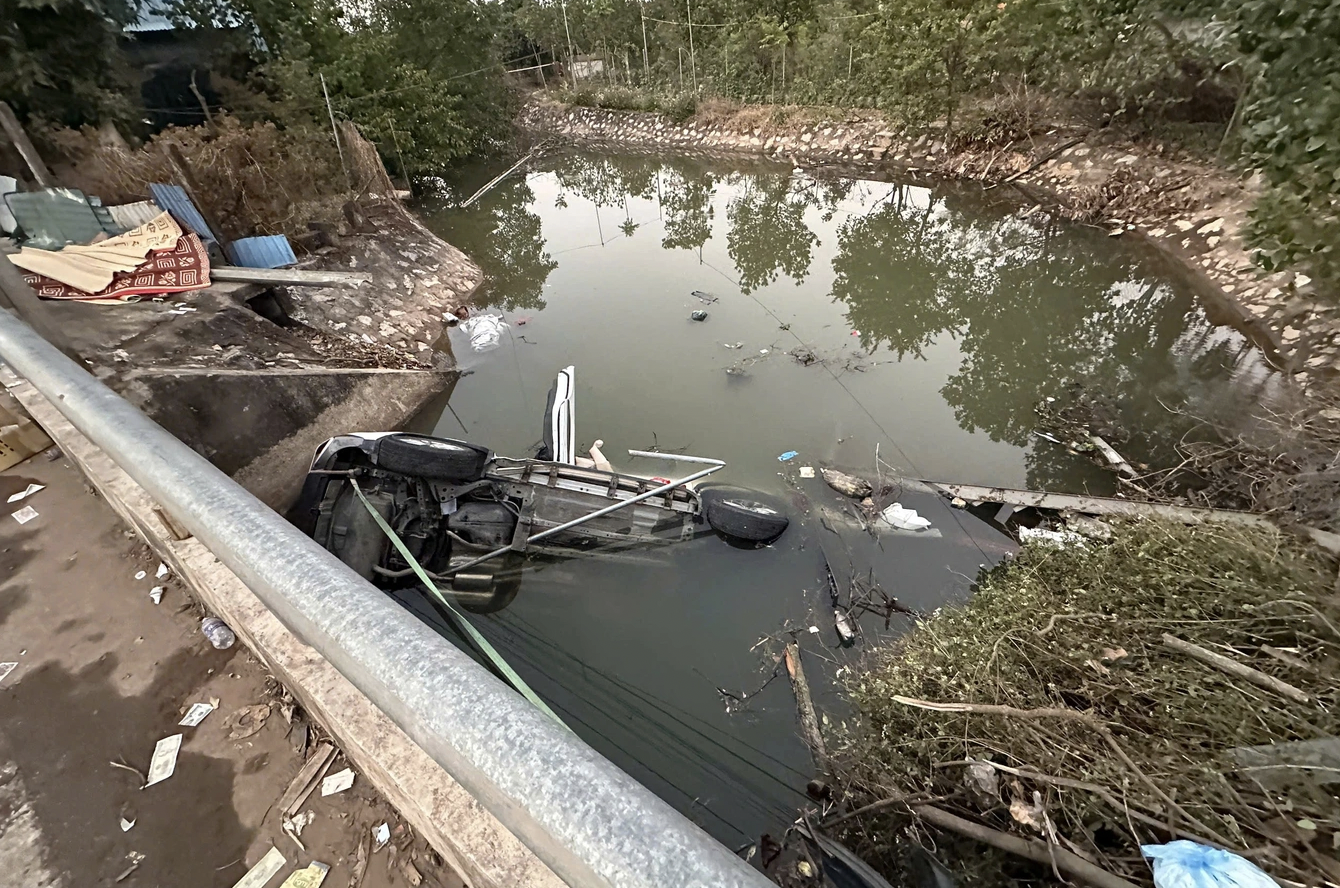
<point>847,485</point>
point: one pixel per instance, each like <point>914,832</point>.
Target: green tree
<point>60,60</point>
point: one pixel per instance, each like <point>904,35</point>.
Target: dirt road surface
<point>103,674</point>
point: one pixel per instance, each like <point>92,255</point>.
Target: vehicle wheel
<point>423,457</point>
<point>742,514</point>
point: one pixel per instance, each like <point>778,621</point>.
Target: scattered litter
<point>6,668</point>
<point>337,782</point>
<point>814,630</point>
<point>485,331</point>
<point>904,519</point>
<point>141,574</point>
<point>736,345</point>
<point>164,761</point>
<point>763,351</point>
<point>381,834</point>
<point>135,858</point>
<point>847,485</point>
<point>309,877</point>
<point>247,721</point>
<point>807,471</point>
<point>958,502</point>
<point>162,571</point>
<point>856,332</point>
<point>126,825</point>
<point>410,872</point>
<point>521,322</point>
<point>264,870</point>
<point>196,714</point>
<point>299,822</point>
<point>26,492</point>
<point>1186,864</point>
<point>708,298</point>
<point>53,454</point>
<point>789,455</point>
<point>844,628</point>
<point>983,781</point>
<point>218,633</point>
<point>156,593</point>
<point>1055,537</point>
<point>698,315</point>
<point>26,514</point>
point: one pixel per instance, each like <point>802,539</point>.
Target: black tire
<point>420,456</point>
<point>742,514</point>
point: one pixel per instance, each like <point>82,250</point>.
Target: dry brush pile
<point>1060,708</point>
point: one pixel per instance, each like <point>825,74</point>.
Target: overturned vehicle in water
<point>470,518</point>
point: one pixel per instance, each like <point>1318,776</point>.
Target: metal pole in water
<point>592,824</point>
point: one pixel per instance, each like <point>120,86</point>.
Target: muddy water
<point>845,319</point>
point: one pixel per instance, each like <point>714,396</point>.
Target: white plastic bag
<point>1185,864</point>
<point>485,331</point>
<point>904,519</point>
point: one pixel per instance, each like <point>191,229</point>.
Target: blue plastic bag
<point>1184,864</point>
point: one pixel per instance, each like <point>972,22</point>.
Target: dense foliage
<point>59,59</point>
<point>1258,80</point>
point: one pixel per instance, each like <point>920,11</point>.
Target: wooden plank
<point>809,722</point>
<point>1095,505</point>
<point>41,175</point>
<point>290,277</point>
<point>305,782</point>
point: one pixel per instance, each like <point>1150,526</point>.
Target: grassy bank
<point>1136,742</point>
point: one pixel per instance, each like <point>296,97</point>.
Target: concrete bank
<point>469,839</point>
<point>1193,212</point>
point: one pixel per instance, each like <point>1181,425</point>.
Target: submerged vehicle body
<point>470,518</point>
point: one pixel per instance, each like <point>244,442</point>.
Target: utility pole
<point>335,131</point>
<point>693,61</point>
<point>572,56</point>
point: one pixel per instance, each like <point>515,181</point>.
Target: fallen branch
<point>1116,459</point>
<point>1039,852</point>
<point>809,723</point>
<point>1046,157</point>
<point>1232,667</point>
<point>1074,715</point>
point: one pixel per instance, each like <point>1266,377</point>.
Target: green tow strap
<point>462,623</point>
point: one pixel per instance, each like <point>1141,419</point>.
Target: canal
<point>884,328</point>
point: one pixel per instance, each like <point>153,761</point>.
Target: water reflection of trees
<point>506,239</point>
<point>1029,305</point>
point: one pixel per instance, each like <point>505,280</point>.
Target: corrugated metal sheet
<point>173,199</point>
<point>272,251</point>
<point>150,16</point>
<point>54,217</point>
<point>133,215</point>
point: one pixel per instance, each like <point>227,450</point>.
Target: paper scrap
<point>141,574</point>
<point>162,571</point>
<point>264,870</point>
<point>126,824</point>
<point>26,514</point>
<point>196,714</point>
<point>6,668</point>
<point>308,877</point>
<point>904,519</point>
<point>807,471</point>
<point>299,822</point>
<point>814,630</point>
<point>26,492</point>
<point>156,593</point>
<point>164,761</point>
<point>337,782</point>
<point>381,834</point>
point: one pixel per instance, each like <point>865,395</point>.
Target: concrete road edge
<point>471,840</point>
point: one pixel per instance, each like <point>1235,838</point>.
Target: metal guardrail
<point>591,823</point>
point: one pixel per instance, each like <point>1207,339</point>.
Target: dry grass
<point>1145,755</point>
<point>261,179</point>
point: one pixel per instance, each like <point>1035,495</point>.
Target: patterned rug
<point>177,270</point>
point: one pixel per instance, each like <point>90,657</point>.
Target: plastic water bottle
<point>218,633</point>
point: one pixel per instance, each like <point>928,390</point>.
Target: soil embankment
<point>1195,212</point>
<point>253,378</point>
